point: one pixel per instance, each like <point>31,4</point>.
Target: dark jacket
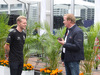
<point>74,50</point>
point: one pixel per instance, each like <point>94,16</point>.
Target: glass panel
<point>84,11</point>
<point>3,7</point>
<point>61,7</point>
<point>33,14</point>
<point>16,6</point>
<point>17,12</point>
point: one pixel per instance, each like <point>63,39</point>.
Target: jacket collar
<point>70,29</point>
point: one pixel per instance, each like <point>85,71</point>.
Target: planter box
<point>4,70</point>
<point>28,72</point>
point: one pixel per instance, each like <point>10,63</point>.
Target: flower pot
<point>31,72</point>
<point>4,70</point>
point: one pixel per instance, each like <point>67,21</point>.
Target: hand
<point>60,39</point>
<point>62,42</point>
<point>63,64</point>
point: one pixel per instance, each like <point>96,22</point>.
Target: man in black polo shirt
<point>14,46</point>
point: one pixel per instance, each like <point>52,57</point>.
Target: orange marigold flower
<point>45,71</point>
<point>28,68</point>
<point>48,71</point>
<point>29,64</point>
<point>45,68</point>
<point>53,70</point>
<point>32,67</point>
<point>59,70</point>
<point>2,63</point>
<point>41,69</point>
<point>7,63</point>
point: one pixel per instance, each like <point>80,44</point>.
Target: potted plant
<point>29,46</point>
<point>4,69</point>
<point>89,52</point>
<point>47,71</point>
<point>48,47</point>
<point>28,69</point>
<point>3,33</point>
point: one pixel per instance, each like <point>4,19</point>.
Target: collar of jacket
<point>70,29</point>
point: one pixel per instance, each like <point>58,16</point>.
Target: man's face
<point>66,22</point>
<point>22,24</point>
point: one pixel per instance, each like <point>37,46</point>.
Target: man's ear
<point>18,22</point>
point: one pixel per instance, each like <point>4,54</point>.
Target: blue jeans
<point>72,68</point>
<point>16,68</point>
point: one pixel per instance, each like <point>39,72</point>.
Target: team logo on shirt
<point>9,37</point>
<point>70,37</point>
<point>18,38</point>
<point>23,37</point>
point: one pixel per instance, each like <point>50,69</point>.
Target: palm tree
<point>89,52</point>
<point>46,45</point>
<point>3,33</point>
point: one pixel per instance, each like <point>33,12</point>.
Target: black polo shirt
<point>16,40</point>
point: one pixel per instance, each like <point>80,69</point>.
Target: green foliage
<point>50,46</point>
<point>89,53</point>
<point>29,46</point>
<point>46,45</point>
<point>3,33</point>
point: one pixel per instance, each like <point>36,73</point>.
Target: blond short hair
<point>20,17</point>
<point>71,17</point>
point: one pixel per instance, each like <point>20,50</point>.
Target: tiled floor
<point>39,64</point>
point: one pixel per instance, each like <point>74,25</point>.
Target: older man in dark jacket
<point>73,50</point>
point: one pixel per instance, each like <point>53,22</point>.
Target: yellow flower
<point>32,66</point>
<point>45,71</point>
<point>2,63</point>
<point>28,68</point>
<point>41,69</point>
<point>48,71</point>
<point>29,64</point>
<point>59,70</point>
<point>45,68</point>
<point>7,63</point>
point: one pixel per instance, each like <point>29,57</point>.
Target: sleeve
<point>9,38</point>
<point>78,42</point>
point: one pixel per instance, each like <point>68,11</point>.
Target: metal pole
<point>26,8</point>
<point>72,6</point>
<point>51,15</point>
<point>9,9</point>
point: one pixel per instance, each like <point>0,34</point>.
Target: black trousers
<point>16,68</point>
